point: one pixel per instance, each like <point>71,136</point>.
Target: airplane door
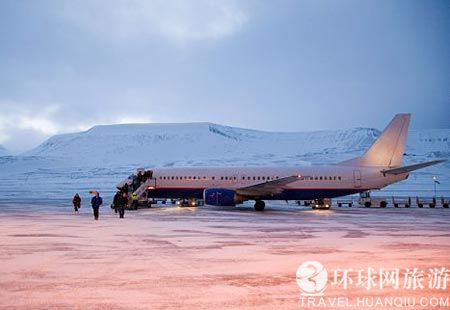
<point>151,185</point>
<point>152,182</point>
<point>357,178</point>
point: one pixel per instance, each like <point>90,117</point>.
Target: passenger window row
<point>254,178</point>
<point>321,178</point>
<point>183,178</point>
<point>264,178</point>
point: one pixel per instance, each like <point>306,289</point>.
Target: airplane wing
<point>266,188</point>
<point>410,168</point>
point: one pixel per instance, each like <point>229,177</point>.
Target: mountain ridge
<point>136,143</point>
<point>198,143</point>
<point>99,158</point>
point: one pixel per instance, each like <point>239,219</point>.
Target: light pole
<point>435,181</point>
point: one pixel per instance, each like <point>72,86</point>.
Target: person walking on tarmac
<point>76,202</point>
<point>134,201</point>
<point>96,202</point>
<point>116,201</point>
<point>122,203</point>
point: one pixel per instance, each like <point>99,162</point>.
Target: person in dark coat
<point>96,202</point>
<point>122,204</point>
<point>116,201</point>
<point>76,202</point>
<point>140,178</point>
<point>136,183</point>
<point>125,188</point>
<point>148,174</point>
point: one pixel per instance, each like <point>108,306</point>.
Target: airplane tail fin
<point>387,150</point>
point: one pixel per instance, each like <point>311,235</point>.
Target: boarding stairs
<point>142,189</point>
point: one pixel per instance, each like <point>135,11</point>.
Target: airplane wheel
<point>259,205</point>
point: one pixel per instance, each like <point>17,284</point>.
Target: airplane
<point>379,166</point>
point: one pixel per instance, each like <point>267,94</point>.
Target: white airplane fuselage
<point>378,167</point>
<point>313,181</point>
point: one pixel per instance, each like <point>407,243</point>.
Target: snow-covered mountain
<point>433,143</point>
<point>3,151</point>
<point>198,144</point>
<point>102,156</point>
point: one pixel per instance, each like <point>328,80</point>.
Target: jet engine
<point>220,197</point>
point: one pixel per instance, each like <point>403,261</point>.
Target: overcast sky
<point>273,65</point>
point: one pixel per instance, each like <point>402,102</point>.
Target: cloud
<point>179,21</point>
<point>24,124</point>
<point>26,116</point>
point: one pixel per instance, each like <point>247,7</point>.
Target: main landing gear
<point>260,205</point>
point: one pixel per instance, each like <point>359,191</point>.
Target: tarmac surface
<point>212,258</point>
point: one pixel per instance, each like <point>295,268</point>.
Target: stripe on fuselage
<point>287,194</point>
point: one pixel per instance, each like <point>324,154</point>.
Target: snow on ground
<point>102,156</point>
<point>208,258</point>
